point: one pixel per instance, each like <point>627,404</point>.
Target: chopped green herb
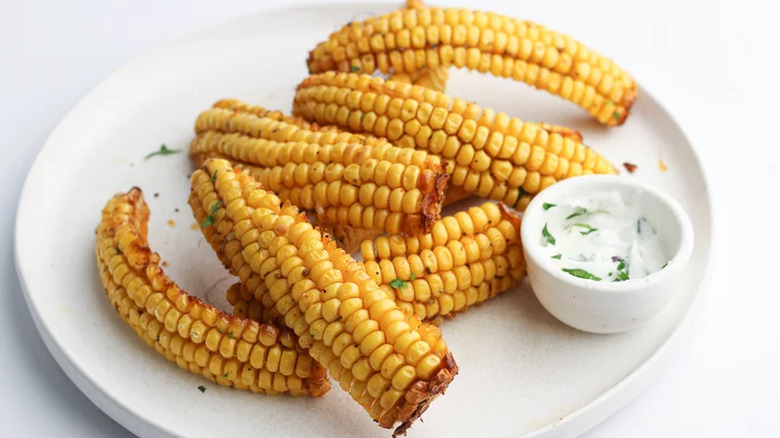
<point>355,68</point>
<point>587,227</point>
<point>664,265</point>
<point>411,277</point>
<point>225,375</point>
<point>581,273</point>
<point>118,251</point>
<point>616,115</point>
<point>520,193</point>
<point>210,219</point>
<point>639,226</point>
<point>214,177</point>
<point>202,388</point>
<point>230,335</point>
<point>621,276</point>
<point>546,206</point>
<point>362,116</point>
<point>556,257</point>
<point>312,335</point>
<point>397,283</point>
<point>579,211</point>
<point>547,236</point>
<point>622,272</point>
<point>162,151</point>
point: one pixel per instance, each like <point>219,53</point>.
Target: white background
<point>712,64</point>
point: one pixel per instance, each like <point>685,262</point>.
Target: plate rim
<point>605,404</point>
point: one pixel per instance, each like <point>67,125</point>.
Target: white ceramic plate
<point>522,372</point>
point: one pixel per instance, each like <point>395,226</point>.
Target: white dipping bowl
<point>598,306</point>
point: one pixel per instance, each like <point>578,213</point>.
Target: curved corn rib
<point>291,129</point>
<point>408,40</point>
<point>488,154</point>
<point>466,259</point>
<point>397,191</point>
<point>231,351</point>
<point>393,369</point>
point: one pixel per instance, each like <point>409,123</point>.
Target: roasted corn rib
<point>408,40</point>
<point>488,154</point>
<point>350,325</point>
<point>376,186</point>
<point>235,352</point>
<point>466,259</point>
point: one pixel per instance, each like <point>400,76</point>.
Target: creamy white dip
<point>602,237</point>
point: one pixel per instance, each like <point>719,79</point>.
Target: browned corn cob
<point>489,154</point>
<point>231,351</point>
<point>466,259</point>
<point>481,226</point>
<point>447,292</point>
<point>407,40</point>
<point>292,129</point>
<point>398,190</point>
<point>393,369</point>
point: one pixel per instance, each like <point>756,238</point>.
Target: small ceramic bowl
<point>597,306</point>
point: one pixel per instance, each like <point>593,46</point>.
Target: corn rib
<point>393,369</point>
<point>399,190</point>
<point>411,39</point>
<point>488,154</point>
<point>231,351</point>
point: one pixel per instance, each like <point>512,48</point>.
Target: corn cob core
<point>231,351</point>
<point>433,78</point>
<point>488,154</point>
<point>392,369</point>
<point>408,40</point>
<point>374,185</point>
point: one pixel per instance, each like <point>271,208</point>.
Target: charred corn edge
<point>128,214</point>
<point>563,131</point>
<point>224,121</point>
<point>454,194</point>
<point>348,237</point>
<point>421,392</point>
<point>321,58</point>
